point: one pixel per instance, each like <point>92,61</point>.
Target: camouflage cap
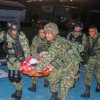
<point>51,28</point>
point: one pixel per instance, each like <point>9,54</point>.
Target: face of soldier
<point>49,36</point>
<point>13,32</point>
<point>77,29</point>
<point>41,33</point>
<point>93,32</point>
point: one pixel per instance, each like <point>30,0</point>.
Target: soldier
<point>17,48</point>
<point>39,44</point>
<point>64,57</point>
<point>78,36</point>
<point>94,60</point>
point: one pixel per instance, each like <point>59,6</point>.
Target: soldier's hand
<point>31,73</point>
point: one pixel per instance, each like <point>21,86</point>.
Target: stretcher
<point>30,63</point>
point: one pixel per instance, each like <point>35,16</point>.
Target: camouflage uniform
<point>93,63</point>
<point>38,45</point>
<point>93,45</point>
<point>15,64</point>
<point>80,38</point>
<point>65,58</point>
<point>75,38</point>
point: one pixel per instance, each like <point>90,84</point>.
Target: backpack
<point>72,53</point>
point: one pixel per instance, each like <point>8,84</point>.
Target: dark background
<point>84,10</point>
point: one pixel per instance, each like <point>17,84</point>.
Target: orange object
<point>26,67</point>
<point>39,74</point>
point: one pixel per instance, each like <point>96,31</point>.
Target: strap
<point>5,36</point>
<point>77,39</point>
<point>16,41</point>
<point>95,41</point>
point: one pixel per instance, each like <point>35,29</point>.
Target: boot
<point>54,96</point>
<point>98,88</point>
<point>46,83</point>
<point>33,88</point>
<point>17,95</point>
<point>14,94</point>
<point>87,92</point>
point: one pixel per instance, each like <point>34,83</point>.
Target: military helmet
<point>78,24</point>
<point>51,28</point>
<point>13,25</point>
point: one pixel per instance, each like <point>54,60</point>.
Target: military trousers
<point>14,65</point>
<point>66,79</point>
<point>35,80</point>
<point>93,68</point>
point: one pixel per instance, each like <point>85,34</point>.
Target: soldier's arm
<point>33,48</point>
<point>52,53</point>
<point>84,40</point>
<point>1,36</point>
<point>25,44</point>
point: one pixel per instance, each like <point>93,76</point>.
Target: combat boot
<point>87,92</point>
<point>54,96</point>
<point>17,95</point>
<point>14,94</point>
<point>98,88</point>
<point>33,88</point>
<point>46,83</point>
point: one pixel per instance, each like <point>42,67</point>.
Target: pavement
<point>42,93</point>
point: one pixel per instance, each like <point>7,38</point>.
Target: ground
<point>6,88</point>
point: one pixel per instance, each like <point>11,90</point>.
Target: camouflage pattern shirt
<point>58,49</point>
<point>96,47</point>
<point>75,37</point>
<point>39,45</point>
<point>22,39</point>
